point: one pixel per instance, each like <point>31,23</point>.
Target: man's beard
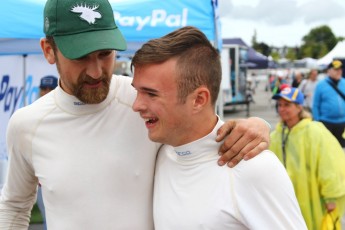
<point>91,95</point>
<point>88,95</point>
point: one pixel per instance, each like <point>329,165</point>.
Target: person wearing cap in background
<point>83,142</point>
<point>48,83</point>
<point>312,157</point>
<point>329,101</point>
<point>280,88</point>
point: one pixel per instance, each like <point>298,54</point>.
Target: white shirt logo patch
<point>87,13</point>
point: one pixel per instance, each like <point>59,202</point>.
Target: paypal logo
<point>158,16</point>
<point>12,97</point>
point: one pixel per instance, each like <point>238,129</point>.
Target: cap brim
<point>278,96</point>
<point>78,45</point>
<point>333,67</point>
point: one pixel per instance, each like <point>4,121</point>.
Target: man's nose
<point>94,69</point>
<point>138,104</point>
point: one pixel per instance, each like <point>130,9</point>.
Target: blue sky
<point>280,22</point>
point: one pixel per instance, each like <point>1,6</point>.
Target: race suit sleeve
<point>265,194</point>
<point>19,192</point>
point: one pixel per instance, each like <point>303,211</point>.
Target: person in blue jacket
<point>329,101</point>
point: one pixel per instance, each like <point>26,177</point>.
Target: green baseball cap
<point>82,27</point>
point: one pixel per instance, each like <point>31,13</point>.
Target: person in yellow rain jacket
<point>312,157</point>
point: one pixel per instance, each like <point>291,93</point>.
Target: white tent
<point>337,52</point>
<point>306,63</point>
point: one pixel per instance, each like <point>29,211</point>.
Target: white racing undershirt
<point>192,192</point>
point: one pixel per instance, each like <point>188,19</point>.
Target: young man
<point>82,141</point>
<point>177,78</point>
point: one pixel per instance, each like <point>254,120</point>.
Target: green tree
<point>254,40</point>
<point>291,54</point>
<point>263,48</point>
<point>318,42</point>
<point>275,55</point>
<point>260,47</point>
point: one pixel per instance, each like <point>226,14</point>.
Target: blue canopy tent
<point>139,20</point>
<point>21,27</point>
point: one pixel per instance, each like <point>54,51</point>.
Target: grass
<point>36,216</point>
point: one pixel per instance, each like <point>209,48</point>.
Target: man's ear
<point>47,51</point>
<point>202,98</point>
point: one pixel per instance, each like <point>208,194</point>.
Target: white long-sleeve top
<point>191,192</point>
<point>308,87</point>
<point>94,162</point>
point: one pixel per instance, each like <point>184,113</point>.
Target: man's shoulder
<point>264,156</point>
<point>321,84</point>
<point>323,81</point>
<point>35,111</point>
<point>122,81</point>
<point>263,173</point>
<point>124,90</point>
<point>260,167</point>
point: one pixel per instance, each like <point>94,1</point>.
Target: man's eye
<point>152,94</point>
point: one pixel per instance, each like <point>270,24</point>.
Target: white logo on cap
<point>287,90</point>
<point>46,24</point>
<point>87,13</point>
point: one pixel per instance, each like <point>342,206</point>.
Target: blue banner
<point>142,20</point>
<point>139,20</point>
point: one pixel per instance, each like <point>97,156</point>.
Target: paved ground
<point>263,107</point>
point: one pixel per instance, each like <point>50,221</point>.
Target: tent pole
<point>24,79</point>
<point>217,44</point>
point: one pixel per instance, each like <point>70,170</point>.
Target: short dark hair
<point>198,62</point>
<point>51,41</point>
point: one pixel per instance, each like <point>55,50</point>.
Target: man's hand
<point>244,139</point>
